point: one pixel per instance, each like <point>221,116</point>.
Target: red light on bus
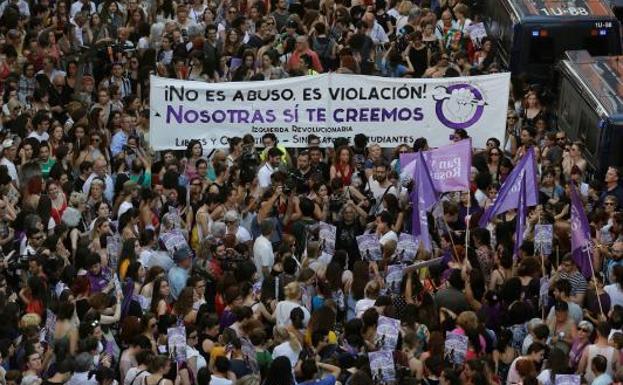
<point>544,33</point>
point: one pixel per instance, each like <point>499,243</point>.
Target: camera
<point>336,202</point>
<point>294,182</point>
<point>248,163</point>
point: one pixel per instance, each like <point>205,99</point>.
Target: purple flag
<point>521,217</point>
<point>508,196</point>
<point>449,165</point>
<point>423,197</point>
<point>580,234</point>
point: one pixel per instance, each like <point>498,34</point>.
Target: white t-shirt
<point>134,376</point>
<point>125,206</point>
<point>285,350</point>
<point>41,138</point>
<point>192,352</point>
<point>545,377</point>
<point>220,381</point>
<point>362,305</point>
<point>481,197</point>
<point>320,264</point>
<point>77,6</point>
<point>390,235</point>
<point>513,377</point>
<point>263,175</point>
<point>242,235</point>
<point>12,170</point>
<point>615,293</point>
<point>378,191</point>
<point>263,255</point>
<point>283,310</point>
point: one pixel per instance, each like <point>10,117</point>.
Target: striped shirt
<point>577,281</point>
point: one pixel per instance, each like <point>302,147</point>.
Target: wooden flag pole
<point>590,261</point>
<point>468,217</point>
<point>456,255</point>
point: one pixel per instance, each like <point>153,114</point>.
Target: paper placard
<point>456,348</point>
<point>543,239</point>
<point>407,247</point>
<point>387,332</point>
<point>369,247</point>
<point>477,32</point>
<point>173,240</point>
<point>176,338</point>
<point>393,278</point>
<point>382,366</point>
<point>327,234</point>
<point>567,379</point>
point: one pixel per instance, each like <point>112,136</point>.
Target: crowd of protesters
<point>108,246</point>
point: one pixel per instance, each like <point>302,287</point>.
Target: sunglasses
<point>584,330</point>
<point>495,154</point>
<point>608,203</point>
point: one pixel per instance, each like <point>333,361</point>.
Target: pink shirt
<point>471,354</point>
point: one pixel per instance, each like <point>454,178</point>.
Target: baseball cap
<point>181,254</point>
<point>291,24</point>
<point>7,143</point>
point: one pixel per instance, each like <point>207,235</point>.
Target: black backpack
<point>323,46</point>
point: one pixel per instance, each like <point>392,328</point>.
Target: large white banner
<point>389,111</point>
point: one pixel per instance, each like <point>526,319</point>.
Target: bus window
<point>597,45</point>
<point>542,50</point>
<point>615,143</point>
<point>587,132</point>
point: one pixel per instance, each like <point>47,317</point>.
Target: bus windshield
<point>547,44</point>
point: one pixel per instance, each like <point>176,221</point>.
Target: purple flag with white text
<point>508,196</point>
<point>580,234</point>
<point>423,197</point>
<point>449,166</point>
<point>521,217</point>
